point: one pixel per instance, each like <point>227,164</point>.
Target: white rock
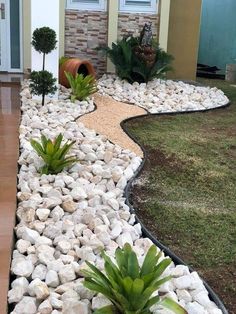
<point>56,303</point>
<point>40,272</point>
<point>22,246</point>
<point>183,282</point>
<point>42,213</point>
<point>64,246</point>
<point>52,279</point>
<point>27,234</point>
<point>100,301</point>
<point>45,307</point>
<point>123,239</point>
<point>67,274</point>
<point>15,295</point>
<point>72,306</point>
<point>22,267</point>
<point>78,194</point>
<point>195,308</point>
<point>27,306</point>
<point>113,203</point>
<point>184,295</point>
<point>83,292</point>
<point>39,289</point>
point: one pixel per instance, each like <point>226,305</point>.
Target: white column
<point>45,13</point>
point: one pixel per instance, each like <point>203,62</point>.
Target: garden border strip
<point>213,296</point>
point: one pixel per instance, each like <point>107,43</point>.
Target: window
<point>140,6</point>
<point>86,5</point>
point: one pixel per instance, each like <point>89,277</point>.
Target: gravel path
<point>107,118</point>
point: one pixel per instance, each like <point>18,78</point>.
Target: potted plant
<point>74,66</point>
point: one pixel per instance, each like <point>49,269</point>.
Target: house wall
<point>86,30</point>
<point>183,37</point>
<point>26,27</point>
<point>133,23</point>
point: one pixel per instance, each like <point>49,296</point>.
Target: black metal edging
<point>213,296</point>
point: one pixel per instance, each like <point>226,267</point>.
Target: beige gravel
<point>107,118</point>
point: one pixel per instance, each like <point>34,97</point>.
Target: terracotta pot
<point>74,66</point>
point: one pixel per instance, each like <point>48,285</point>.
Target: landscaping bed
<point>186,193</point>
<point>68,218</point>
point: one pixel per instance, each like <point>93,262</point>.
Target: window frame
<point>100,6</point>
<point>126,8</point>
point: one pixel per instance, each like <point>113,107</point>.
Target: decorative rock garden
<point>69,218</point>
<point>162,96</point>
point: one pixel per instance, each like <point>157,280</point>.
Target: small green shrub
<point>128,286</point>
<point>53,154</point>
<point>62,60</point>
<point>81,86</point>
<point>42,83</point>
<point>44,41</point>
<point>136,63</point>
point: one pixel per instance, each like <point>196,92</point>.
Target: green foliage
<point>62,60</point>
<point>128,286</point>
<point>131,65</point>
<point>44,40</point>
<point>53,154</point>
<point>42,83</point>
<point>81,86</point>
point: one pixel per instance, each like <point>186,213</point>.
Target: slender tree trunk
<point>43,99</point>
<point>43,61</point>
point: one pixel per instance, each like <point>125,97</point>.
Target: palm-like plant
<point>128,286</point>
<point>132,64</point>
<point>81,86</point>
<point>53,154</point>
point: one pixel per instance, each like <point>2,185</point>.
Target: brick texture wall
<point>134,22</point>
<point>86,30</point>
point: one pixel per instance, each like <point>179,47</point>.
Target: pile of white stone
<point>66,219</point>
<point>162,95</point>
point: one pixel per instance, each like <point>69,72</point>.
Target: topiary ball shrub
<point>42,83</point>
<point>44,41</point>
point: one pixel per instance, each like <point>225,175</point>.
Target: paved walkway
<point>9,125</point>
<point>107,118</point>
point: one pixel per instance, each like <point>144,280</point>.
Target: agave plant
<point>128,286</point>
<point>53,154</point>
<point>81,86</point>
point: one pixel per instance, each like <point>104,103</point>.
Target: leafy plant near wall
<point>42,82</point>
<point>138,61</point>
<point>81,86</point>
<point>53,154</point>
<point>128,286</point>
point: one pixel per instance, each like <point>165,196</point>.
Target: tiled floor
<point>9,124</point>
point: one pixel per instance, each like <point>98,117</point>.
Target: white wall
<point>45,13</point>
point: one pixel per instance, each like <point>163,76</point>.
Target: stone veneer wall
<point>133,23</point>
<point>86,30</point>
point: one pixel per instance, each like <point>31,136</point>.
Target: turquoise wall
<point>218,33</point>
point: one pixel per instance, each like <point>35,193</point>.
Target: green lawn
<point>187,195</point>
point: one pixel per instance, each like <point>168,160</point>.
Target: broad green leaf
<point>173,306</point>
<point>50,148</point>
<point>133,266</point>
<point>150,261</point>
<point>110,309</point>
<point>58,142</point>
